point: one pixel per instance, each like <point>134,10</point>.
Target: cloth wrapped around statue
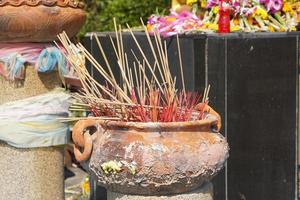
<point>33,122</point>
<point>45,57</point>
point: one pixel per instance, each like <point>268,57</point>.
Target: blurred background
<point>99,13</point>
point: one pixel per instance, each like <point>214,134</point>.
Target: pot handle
<point>83,139</point>
<point>206,108</point>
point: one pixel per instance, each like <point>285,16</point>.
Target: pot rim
<point>209,123</point>
<point>82,138</point>
<point>35,3</point>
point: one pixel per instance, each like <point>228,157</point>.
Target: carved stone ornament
<point>39,20</point>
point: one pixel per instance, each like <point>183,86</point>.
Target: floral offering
<point>245,16</point>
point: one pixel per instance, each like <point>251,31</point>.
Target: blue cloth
<point>14,66</point>
<point>50,58</point>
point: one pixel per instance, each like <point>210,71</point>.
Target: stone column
<point>32,173</point>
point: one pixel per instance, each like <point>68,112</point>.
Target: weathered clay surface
<point>62,3</point>
<point>153,158</point>
<point>39,20</point>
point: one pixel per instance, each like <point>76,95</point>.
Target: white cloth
<point>33,122</point>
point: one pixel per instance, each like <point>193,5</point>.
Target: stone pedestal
<point>34,84</point>
<point>31,174</point>
<point>205,192</point>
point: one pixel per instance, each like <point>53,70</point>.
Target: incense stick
<point>138,97</point>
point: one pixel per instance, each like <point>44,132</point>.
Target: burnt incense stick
<point>139,96</point>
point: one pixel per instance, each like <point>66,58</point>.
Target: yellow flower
<point>236,21</point>
<point>86,186</point>
<point>293,28</point>
<point>261,12</point>
<point>149,27</point>
<point>282,30</point>
<point>191,2</point>
<point>214,27</point>
<point>176,7</point>
<point>292,12</point>
<point>216,9</point>
<point>287,7</point>
<point>234,28</point>
<point>171,19</point>
<point>271,28</point>
<point>203,3</point>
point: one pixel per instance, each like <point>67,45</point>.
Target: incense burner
<point>39,20</point>
<point>151,158</point>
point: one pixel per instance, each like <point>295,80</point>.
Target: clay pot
<point>39,20</point>
<point>151,158</point>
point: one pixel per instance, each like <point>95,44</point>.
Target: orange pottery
<point>151,158</point>
<point>39,20</point>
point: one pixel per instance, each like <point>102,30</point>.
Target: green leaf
<point>100,13</point>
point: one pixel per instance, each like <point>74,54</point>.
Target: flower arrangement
<point>246,16</point>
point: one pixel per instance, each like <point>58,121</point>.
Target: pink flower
<point>248,11</point>
<point>212,3</point>
<point>153,19</point>
<point>273,5</point>
<point>175,23</point>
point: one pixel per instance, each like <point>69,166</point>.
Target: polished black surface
<point>254,84</point>
<point>215,76</point>
<point>262,117</point>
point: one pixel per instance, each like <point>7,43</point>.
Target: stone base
<point>34,84</point>
<point>205,192</point>
<point>31,174</point>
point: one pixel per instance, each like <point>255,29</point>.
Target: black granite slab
<point>254,86</point>
<point>261,124</point>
